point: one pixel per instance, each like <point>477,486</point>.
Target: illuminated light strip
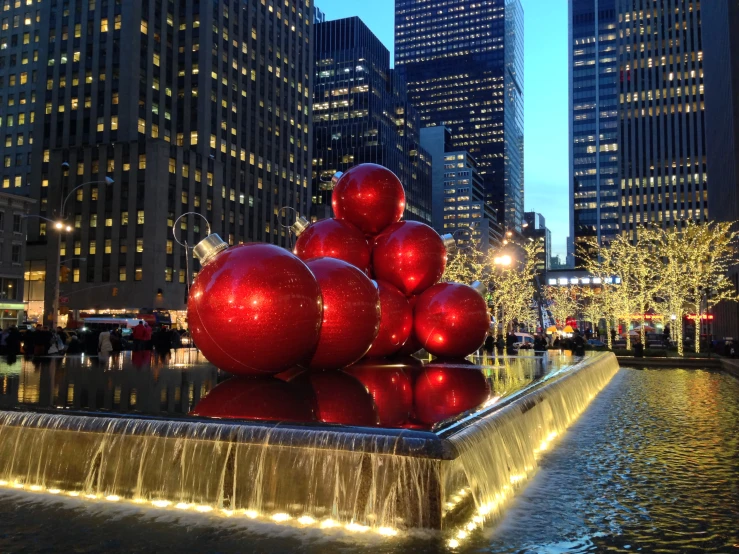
<point>280,517</point>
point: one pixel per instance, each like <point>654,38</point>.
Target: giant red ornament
<point>412,345</point>
<point>369,196</point>
<point>391,389</point>
<point>396,322</point>
<point>334,239</point>
<point>451,320</point>
<point>340,398</point>
<point>253,309</point>
<point>409,255</point>
<point>264,398</point>
<point>445,391</point>
<point>351,314</point>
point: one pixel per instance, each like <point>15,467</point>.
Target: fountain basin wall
<point>374,477</point>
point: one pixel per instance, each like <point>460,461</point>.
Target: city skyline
<point>546,151</point>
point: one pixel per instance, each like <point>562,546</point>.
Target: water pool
<point>652,465</point>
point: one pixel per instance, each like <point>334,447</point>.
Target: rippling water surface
<point>651,466</point>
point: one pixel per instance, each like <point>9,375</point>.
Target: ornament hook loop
<point>176,221</point>
<point>300,225</point>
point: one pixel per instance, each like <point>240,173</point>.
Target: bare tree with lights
<point>562,303</point>
<point>511,282</point>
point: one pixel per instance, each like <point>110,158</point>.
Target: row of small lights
<point>585,281</point>
<point>280,517</point>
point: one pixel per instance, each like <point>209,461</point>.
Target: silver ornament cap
<point>300,225</point>
<point>479,287</point>
<point>335,179</point>
<point>209,248</point>
<point>449,243</point>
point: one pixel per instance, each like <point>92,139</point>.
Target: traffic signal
<point>64,274</point>
<point>115,291</point>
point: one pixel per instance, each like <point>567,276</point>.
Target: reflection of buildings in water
<point>130,382</point>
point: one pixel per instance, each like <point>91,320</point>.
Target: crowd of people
<point>576,343</point>
<point>45,341</point>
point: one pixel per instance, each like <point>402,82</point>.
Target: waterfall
<point>362,478</point>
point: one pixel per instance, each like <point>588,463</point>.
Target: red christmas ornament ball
<point>412,345</point>
<point>391,389</point>
<point>341,398</point>
<point>334,239</point>
<point>443,392</point>
<point>264,398</point>
<point>396,322</point>
<point>409,255</point>
<point>370,197</point>
<point>255,309</point>
<point>351,314</point>
<point>451,320</point>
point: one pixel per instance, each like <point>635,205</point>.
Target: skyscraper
<point>721,62</point>
<point>20,36</point>
<point>593,122</point>
<point>536,229</point>
<point>458,193</point>
<point>463,62</point>
<point>188,107</point>
<point>362,115</point>
<point>637,124</point>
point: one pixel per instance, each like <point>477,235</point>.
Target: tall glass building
<point>463,61</point>
<point>361,114</point>
<point>637,127</point>
<point>593,76</point>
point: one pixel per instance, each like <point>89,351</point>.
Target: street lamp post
<point>60,225</point>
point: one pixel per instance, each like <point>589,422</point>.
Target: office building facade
<point>13,211</point>
<point>721,63</point>
<point>638,157</point>
<point>188,107</point>
<point>463,62</point>
<point>20,39</point>
<point>361,114</point>
<point>458,202</point>
<point>535,228</point>
<point>593,123</point>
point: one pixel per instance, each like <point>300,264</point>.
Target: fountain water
<point>452,477</point>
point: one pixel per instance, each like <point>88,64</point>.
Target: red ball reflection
<point>409,255</point>
<point>351,314</point>
<point>451,320</point>
<point>341,398</point>
<point>334,239</point>
<point>396,322</point>
<point>390,387</point>
<point>264,398</point>
<point>443,392</point>
<point>254,310</point>
<point>370,197</point>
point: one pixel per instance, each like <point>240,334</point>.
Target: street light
<point>504,260</point>
<point>59,225</point>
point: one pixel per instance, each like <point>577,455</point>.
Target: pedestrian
<point>13,342</point>
<point>42,341</point>
<point>56,344</point>
<point>139,337</point>
<point>105,347</point>
<point>147,336</point>
<point>4,341</point>
<point>489,343</point>
<point>75,346</point>
<point>579,344</point>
